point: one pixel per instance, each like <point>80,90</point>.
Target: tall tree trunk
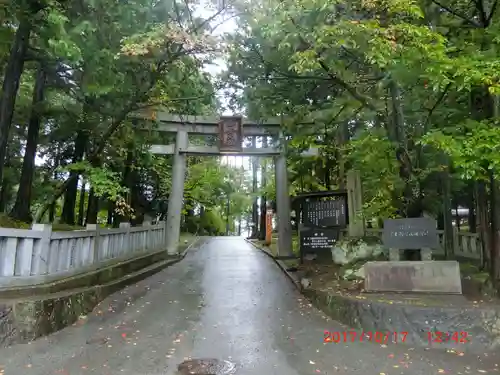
<point>52,209</point>
<point>398,135</point>
<point>471,220</point>
<point>343,138</point>
<point>4,194</point>
<point>57,162</point>
<point>92,208</point>
<point>81,204</point>
<point>494,230</point>
<point>68,212</point>
<point>327,176</point>
<point>483,219</point>
<point>111,212</point>
<point>494,203</point>
<point>447,216</point>
<point>10,86</point>
<point>483,108</point>
<point>7,184</point>
<point>458,218</point>
<point>52,212</point>
<point>21,209</point>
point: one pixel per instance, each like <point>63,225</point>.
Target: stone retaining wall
<point>29,313</point>
<point>481,325</point>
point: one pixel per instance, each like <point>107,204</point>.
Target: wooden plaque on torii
<point>230,134</point>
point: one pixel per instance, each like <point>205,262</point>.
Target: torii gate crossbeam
<point>185,125</point>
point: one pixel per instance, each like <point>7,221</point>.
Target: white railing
<point>38,255</point>
<point>466,244</point>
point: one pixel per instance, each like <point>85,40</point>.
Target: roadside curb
<point>280,264</point>
<point>183,253</point>
<point>423,325</point>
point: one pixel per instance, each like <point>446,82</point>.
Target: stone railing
<point>38,255</point>
<point>466,244</point>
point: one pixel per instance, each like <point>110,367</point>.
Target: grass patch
<point>273,249</point>
<point>274,245</point>
<point>8,222</point>
<point>57,227</point>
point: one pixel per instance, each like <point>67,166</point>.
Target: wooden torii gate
<point>231,131</point>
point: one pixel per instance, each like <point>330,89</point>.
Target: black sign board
<point>411,234</point>
<point>318,240</point>
<point>325,211</point>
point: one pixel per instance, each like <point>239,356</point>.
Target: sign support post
<point>269,227</point>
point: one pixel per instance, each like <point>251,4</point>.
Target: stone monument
<point>417,234</point>
<point>426,275</point>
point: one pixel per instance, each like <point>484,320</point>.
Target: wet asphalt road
<point>225,300</point>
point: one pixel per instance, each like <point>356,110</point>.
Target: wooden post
<point>355,204</point>
<point>269,227</point>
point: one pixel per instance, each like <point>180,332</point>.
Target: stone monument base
<point>413,276</point>
<point>397,254</point>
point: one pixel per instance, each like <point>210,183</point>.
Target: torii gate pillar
<point>176,196</point>
<point>283,205</point>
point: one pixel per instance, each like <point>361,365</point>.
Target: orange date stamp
<point>365,336</point>
<point>380,337</point>
<point>457,337</point>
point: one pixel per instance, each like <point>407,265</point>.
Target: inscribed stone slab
<point>413,276</point>
<point>412,233</point>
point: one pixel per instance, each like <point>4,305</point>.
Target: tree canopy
<point>73,75</point>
